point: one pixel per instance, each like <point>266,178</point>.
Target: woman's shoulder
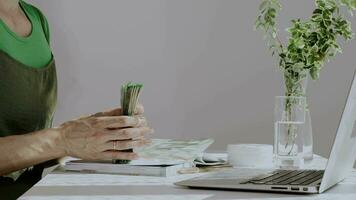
<point>32,9</point>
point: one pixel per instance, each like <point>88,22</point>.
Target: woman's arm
<point>90,138</point>
<point>21,151</point>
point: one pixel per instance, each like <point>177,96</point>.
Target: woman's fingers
<point>127,133</point>
<point>118,112</point>
<point>117,122</point>
<point>125,144</point>
<point>139,110</point>
<point>93,137</point>
<point>118,155</point>
<point>113,112</point>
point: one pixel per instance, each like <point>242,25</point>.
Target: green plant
<point>312,42</point>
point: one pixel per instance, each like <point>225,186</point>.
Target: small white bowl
<point>250,155</point>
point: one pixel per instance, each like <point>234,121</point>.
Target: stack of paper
<point>164,157</point>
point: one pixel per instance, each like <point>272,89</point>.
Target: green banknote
<point>130,93</point>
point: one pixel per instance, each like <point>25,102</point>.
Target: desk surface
<point>78,186</point>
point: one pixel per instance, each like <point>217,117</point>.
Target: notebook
<point>163,157</point>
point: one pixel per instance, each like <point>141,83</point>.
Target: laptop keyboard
<point>288,177</point>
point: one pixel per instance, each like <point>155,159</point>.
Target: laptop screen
<point>343,151</point>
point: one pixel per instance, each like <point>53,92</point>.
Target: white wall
<point>206,72</point>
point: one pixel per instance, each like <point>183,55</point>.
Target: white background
<point>207,73</point>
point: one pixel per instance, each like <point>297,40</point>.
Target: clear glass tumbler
<point>289,128</point>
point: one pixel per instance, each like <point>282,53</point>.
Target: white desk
<point>78,186</point>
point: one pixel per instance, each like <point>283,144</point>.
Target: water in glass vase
<point>289,129</point>
<point>289,145</point>
<point>308,137</point>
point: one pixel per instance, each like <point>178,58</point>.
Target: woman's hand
<point>118,112</point>
<point>100,136</point>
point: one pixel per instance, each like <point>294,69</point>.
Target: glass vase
<point>289,129</point>
<point>299,88</point>
<point>308,129</point>
<point>308,137</point>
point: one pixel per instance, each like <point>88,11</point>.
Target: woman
<point>28,92</point>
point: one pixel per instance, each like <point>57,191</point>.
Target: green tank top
<point>27,104</point>
<point>33,50</point>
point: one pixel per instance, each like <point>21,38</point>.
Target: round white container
<point>250,155</point>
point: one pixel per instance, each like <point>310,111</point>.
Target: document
<point>350,180</point>
<point>174,150</point>
<point>79,179</point>
<point>324,196</point>
<point>122,197</point>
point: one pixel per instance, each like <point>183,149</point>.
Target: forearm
<point>21,151</point>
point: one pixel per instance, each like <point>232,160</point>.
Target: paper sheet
<point>350,180</point>
<point>109,179</point>
<point>121,197</point>
<point>167,149</point>
<point>324,196</point>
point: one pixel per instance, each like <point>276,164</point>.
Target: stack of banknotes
<point>130,93</point>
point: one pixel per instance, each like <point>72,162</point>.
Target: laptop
<point>340,163</point>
